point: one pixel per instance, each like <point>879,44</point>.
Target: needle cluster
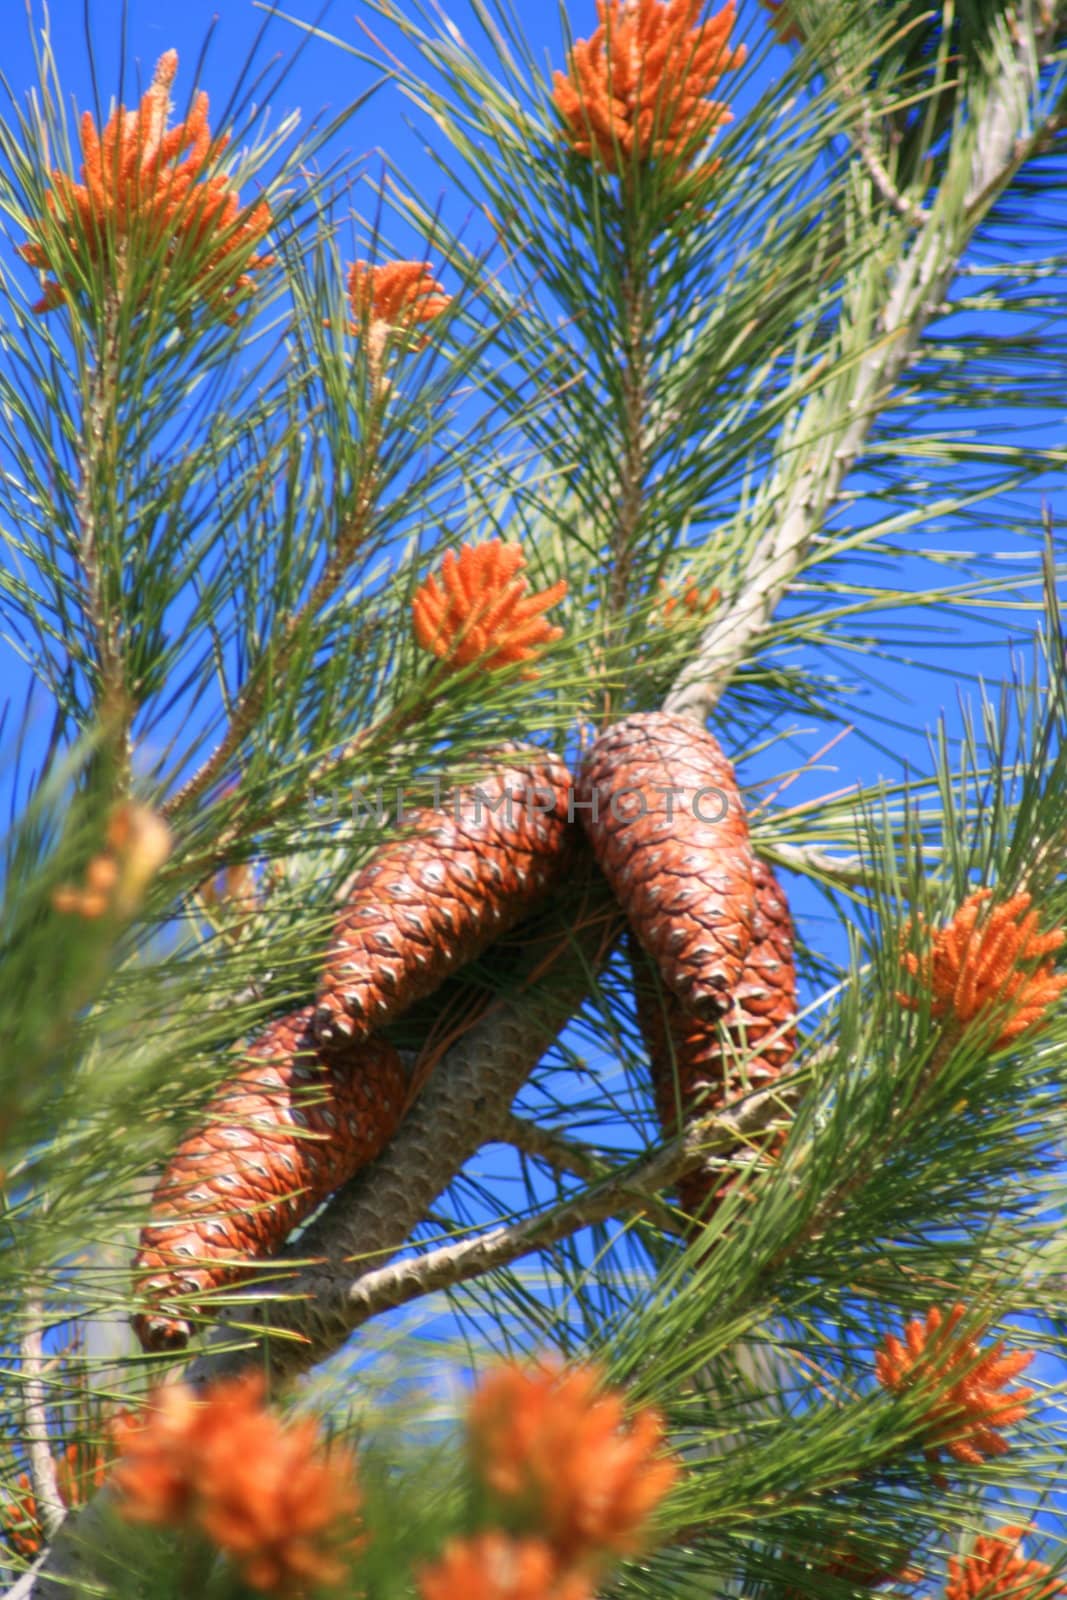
<point>971,1402</point>
<point>148,191</point>
<point>478,609</point>
<point>640,87</point>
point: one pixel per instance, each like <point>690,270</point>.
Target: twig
<point>565,1155</point>
<point>580,1160</point>
<point>864,145</point>
<point>27,1587</point>
<point>51,1511</point>
<point>294,794</point>
<point>849,871</point>
<point>1044,138</point>
<point>274,660</point>
<point>634,462</point>
<point>910,210</point>
<point>257,687</point>
<point>113,702</point>
<point>837,422</point>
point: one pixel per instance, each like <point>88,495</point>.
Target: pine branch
<point>460,1109</point>
<point>633,466</point>
<point>96,472</point>
<point>271,666</point>
<point>273,663</point>
<point>468,1101</point>
<point>470,1098</point>
<point>555,1149</point>
<point>28,1587</point>
<point>354,1300</point>
<point>864,143</point>
<point>848,871</point>
<point>832,435</point>
<point>863,139</point>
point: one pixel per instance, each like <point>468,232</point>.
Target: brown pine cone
<point>280,1136</point>
<point>430,901</point>
<point>700,1067</point>
<point>661,806</point>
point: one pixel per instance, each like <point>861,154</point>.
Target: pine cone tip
<point>158,1334</point>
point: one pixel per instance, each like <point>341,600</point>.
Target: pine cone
<point>277,1138</point>
<point>662,809</point>
<point>699,1067</point>
<point>429,902</point>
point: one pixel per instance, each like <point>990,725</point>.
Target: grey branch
<point>908,209</point>
<point>50,1508</point>
<point>851,872</point>
<point>28,1586</point>
<point>555,1149</point>
<point>817,455</point>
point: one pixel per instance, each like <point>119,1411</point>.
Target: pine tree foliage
<point>769,423</point>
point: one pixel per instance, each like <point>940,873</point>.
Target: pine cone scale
<point>699,1067</point>
<point>428,903</point>
<point>686,882</point>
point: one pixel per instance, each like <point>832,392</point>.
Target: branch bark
<point>555,1149</point>
<point>837,421</point>
<point>910,210</point>
<point>50,1508</point>
<point>633,1190</point>
<point>851,872</point>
